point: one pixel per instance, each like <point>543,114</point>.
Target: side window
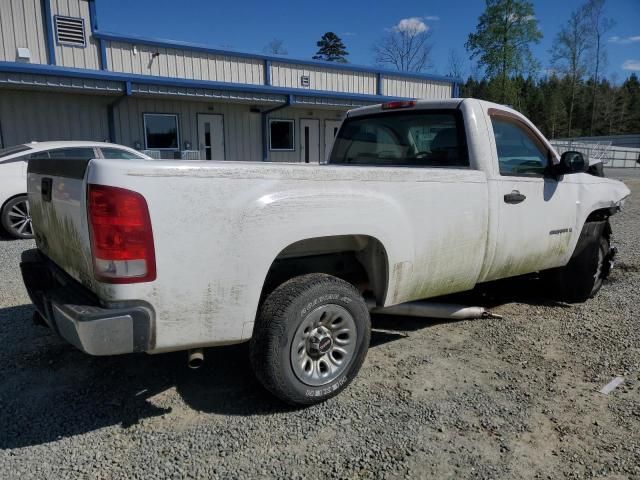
<point>74,153</point>
<point>421,138</point>
<point>117,154</point>
<point>518,151</point>
<point>281,135</point>
<point>161,131</point>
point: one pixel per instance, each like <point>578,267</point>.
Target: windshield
<point>5,152</point>
<point>420,138</point>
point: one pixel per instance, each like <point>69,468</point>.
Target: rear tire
<point>583,276</point>
<point>310,339</point>
<point>16,218</point>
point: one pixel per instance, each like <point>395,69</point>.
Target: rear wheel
<point>16,217</point>
<point>310,339</point>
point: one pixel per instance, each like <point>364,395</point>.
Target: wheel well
<point>11,198</point>
<point>359,259</point>
<point>600,215</point>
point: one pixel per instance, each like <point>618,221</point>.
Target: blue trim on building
<point>93,16</point>
<point>379,87</point>
<point>36,69</point>
<point>102,47</point>
<point>47,20</point>
<point>157,42</point>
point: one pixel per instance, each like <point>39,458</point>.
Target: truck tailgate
<point>57,197</point>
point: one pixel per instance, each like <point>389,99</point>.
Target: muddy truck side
<point>417,200</point>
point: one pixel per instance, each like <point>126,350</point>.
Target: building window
<point>70,31</point>
<point>281,135</point>
<point>161,131</point>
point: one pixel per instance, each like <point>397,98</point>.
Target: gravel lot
<point>511,398</point>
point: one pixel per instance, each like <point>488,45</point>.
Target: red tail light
<point>399,104</point>
<point>121,236</point>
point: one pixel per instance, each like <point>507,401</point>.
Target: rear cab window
<point>420,138</point>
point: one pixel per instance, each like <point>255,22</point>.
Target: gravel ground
<point>510,398</point>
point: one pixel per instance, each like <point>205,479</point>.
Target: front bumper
<point>78,316</point>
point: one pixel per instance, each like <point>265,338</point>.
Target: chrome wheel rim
<point>19,217</point>
<point>323,345</point>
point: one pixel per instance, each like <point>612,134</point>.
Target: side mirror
<point>571,162</point>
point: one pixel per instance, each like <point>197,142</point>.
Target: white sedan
<point>15,217</point>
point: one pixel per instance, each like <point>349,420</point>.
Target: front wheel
<point>583,276</point>
<point>16,217</point>
<point>311,337</point>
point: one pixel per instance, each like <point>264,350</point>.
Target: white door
<point>537,213</point>
<point>211,137</point>
<point>310,141</point>
<point>331,128</point>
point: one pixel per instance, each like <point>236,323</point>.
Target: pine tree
<point>331,49</point>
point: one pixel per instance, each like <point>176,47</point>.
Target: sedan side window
<point>117,154</point>
<point>518,152</point>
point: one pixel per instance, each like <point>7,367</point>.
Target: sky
<point>249,25</point>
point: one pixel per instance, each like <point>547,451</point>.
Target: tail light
<point>399,104</point>
<point>121,235</point>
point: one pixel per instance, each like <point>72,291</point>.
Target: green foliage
<point>501,42</point>
<point>547,102</point>
<point>331,49</point>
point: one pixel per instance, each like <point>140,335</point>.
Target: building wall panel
<point>241,128</point>
<point>320,78</point>
<point>71,56</point>
<point>297,114</point>
<point>21,26</point>
<point>178,63</point>
<point>27,116</point>
<point>394,86</point>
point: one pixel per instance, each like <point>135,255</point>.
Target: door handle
<point>514,197</point>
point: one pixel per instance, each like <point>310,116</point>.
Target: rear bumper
<point>79,317</point>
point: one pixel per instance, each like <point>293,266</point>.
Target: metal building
<point>63,78</point>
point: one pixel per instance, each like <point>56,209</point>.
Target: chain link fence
<point>613,157</point>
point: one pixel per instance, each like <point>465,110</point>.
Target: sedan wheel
<point>16,218</point>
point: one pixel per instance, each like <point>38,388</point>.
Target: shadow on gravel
<point>529,290</point>
<point>49,390</point>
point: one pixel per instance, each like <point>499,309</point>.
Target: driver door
<point>537,213</point>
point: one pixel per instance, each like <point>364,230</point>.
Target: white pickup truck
<point>418,199</point>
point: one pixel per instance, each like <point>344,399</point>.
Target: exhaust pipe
<point>433,310</point>
<point>195,358</point>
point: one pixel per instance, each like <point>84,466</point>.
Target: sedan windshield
<point>5,152</point>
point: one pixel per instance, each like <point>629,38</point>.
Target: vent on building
<point>70,31</point>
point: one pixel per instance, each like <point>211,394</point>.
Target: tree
<point>630,116</point>
<point>568,54</point>
<point>275,47</point>
<point>456,64</point>
<point>406,46</point>
<point>501,41</point>
<point>599,25</point>
<point>331,49</point>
